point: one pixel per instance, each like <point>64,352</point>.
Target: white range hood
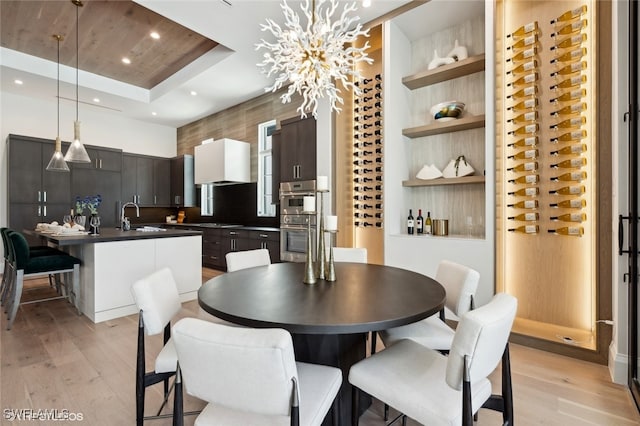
<point>223,162</point>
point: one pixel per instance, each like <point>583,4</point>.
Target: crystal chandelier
<point>311,58</point>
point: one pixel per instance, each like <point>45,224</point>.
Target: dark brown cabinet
<point>297,146</point>
<point>275,166</point>
<point>102,159</point>
<point>269,240</point>
<point>146,180</point>
<point>217,242</point>
<point>183,189</point>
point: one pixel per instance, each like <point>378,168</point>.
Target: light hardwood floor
<point>55,359</point>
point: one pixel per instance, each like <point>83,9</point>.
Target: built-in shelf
<point>461,68</point>
<point>464,123</point>
<point>444,181</point>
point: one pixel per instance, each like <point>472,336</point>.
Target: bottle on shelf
<point>524,105</point>
<point>524,204</point>
<point>570,28</point>
<point>571,150</point>
<point>524,93</point>
<point>362,153</point>
<point>576,203</point>
<point>378,141</point>
<point>362,206</point>
<point>524,167</point>
<point>362,179</point>
<point>570,109</point>
<point>570,122</point>
<point>525,54</point>
<point>573,231</point>
<point>362,144</point>
<point>378,187</point>
<point>378,160</point>
<point>428,230</point>
<point>378,178</point>
<point>570,56</point>
<point>525,79</point>
<point>574,136</point>
<point>378,150</point>
<point>524,30</point>
<point>570,82</point>
<point>378,169</point>
<point>378,95</point>
<point>362,162</point>
<point>570,177</point>
<point>531,191</point>
<point>377,114</point>
<point>526,179</point>
<point>410,224</point>
<point>378,206</point>
<point>572,163</point>
<point>367,80</point>
<point>379,215</point>
<point>570,69</point>
<point>571,14</point>
<point>362,171</point>
<point>364,108</point>
<point>570,42</point>
<point>523,130</point>
<point>419,222</point>
<point>362,224</point>
<point>362,215</point>
<point>569,190</point>
<point>528,141</point>
<point>362,197</point>
<point>570,217</point>
<point>524,118</point>
<point>363,135</point>
<point>525,217</point>
<point>526,229</point>
<point>362,188</point>
<point>379,225</point>
<point>570,96</point>
<point>524,67</point>
<point>524,42</point>
<point>377,105</point>
<point>524,155</point>
<point>362,126</point>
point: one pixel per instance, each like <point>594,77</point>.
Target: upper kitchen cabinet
<point>102,159</point>
<point>275,166</point>
<point>298,149</point>
<point>146,180</point>
<point>183,189</point>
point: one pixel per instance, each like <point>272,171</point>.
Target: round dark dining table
<point>329,321</point>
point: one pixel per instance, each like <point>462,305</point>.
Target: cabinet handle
<point>264,236</point>
<point>233,233</point>
<point>177,199</point>
<point>39,196</point>
<point>45,211</point>
<point>155,199</point>
<point>101,163</point>
<point>39,211</point>
<point>44,196</point>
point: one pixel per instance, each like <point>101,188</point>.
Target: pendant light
<point>77,153</point>
<point>57,163</point>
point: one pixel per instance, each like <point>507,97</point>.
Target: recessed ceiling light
<point>18,82</point>
<point>194,93</point>
<point>126,60</point>
<point>96,100</point>
<point>154,113</point>
<point>154,35</point>
<point>366,3</point>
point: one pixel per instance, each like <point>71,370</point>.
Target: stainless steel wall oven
<point>293,222</point>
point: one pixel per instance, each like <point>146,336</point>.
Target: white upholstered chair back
<point>237,260</point>
<point>350,254</point>
<point>157,296</point>
<point>481,337</point>
<point>240,368</point>
<point>460,283</point>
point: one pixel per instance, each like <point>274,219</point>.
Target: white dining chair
<point>250,376</point>
<point>237,260</point>
<point>435,389</point>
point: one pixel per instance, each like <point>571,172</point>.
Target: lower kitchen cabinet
<point>212,256</point>
<point>269,240</point>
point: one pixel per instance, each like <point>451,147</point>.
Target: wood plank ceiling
<point>109,31</point>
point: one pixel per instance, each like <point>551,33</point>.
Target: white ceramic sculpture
<point>458,52</point>
<point>437,61</point>
<point>458,168</point>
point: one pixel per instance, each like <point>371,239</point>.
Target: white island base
<point>109,269</point>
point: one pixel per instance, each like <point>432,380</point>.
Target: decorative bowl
<point>446,111</point>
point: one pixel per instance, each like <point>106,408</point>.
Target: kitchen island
<point>115,259</point>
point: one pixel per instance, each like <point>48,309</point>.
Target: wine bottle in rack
<point>570,96</point>
<point>524,118</point>
<point>378,95</point>
<point>367,80</point>
<point>362,171</point>
<point>524,93</point>
<point>378,169</point>
<point>378,206</point>
<point>362,153</point>
<point>574,136</point>
<point>362,126</point>
<point>576,203</point>
<point>363,224</point>
<point>524,105</point>
<point>378,178</point>
<point>523,130</point>
<point>570,56</point>
<point>571,150</point>
<point>378,150</point>
<point>362,188</point>
<point>362,215</point>
<point>525,54</point>
<point>379,225</point>
<point>377,114</point>
<point>524,30</point>
<point>377,105</point>
<point>570,28</point>
<point>378,187</point>
<point>524,204</point>
<point>570,82</point>
<point>525,217</point>
<point>378,196</point>
<point>569,190</point>
<point>362,206</point>
<point>362,144</point>
<point>378,160</point>
<point>570,109</point>
<point>524,42</point>
<point>410,224</point>
<point>362,162</point>
<point>362,179</point>
<point>572,163</point>
<point>571,14</point>
<point>571,217</point>
<point>364,108</point>
<point>525,67</point>
<point>419,222</point>
<point>570,177</point>
<point>525,229</point>
<point>570,69</point>
<point>568,123</point>
<point>526,179</point>
<point>568,42</point>
<point>525,79</point>
<point>531,191</point>
<point>573,231</point>
<point>379,215</point>
<point>428,230</point>
<point>524,142</point>
<point>378,141</point>
<point>524,167</point>
<point>362,197</point>
<point>524,155</point>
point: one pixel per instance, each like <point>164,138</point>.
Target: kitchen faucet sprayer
<point>124,221</point>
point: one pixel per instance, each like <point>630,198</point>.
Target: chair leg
<point>17,294</point>
<point>355,405</point>
<point>178,409</point>
<point>374,337</point>
<point>386,412</point>
<point>507,393</point>
<point>140,371</point>
<point>335,411</point>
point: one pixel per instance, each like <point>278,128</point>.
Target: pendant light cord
<point>58,37</point>
<point>77,54</point>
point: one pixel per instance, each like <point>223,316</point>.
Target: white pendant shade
<point>57,163</point>
<point>76,152</point>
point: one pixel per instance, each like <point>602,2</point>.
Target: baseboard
<point>618,365</point>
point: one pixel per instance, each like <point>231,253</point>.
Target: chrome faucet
<point>124,221</point>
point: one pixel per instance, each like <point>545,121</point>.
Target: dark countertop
<point>112,234</point>
<point>220,226</point>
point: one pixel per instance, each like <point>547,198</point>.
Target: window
<point>265,169</point>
